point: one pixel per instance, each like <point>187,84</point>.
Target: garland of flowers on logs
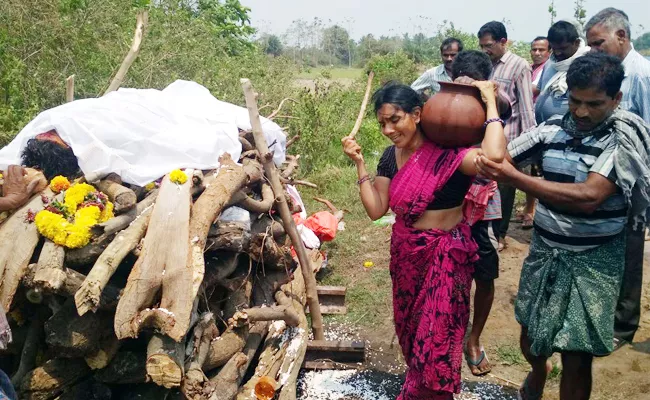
<point>68,223</point>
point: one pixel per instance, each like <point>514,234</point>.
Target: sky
<point>527,19</point>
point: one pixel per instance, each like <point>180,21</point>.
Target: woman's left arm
<point>493,146</point>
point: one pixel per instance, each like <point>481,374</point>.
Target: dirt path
<point>622,375</point>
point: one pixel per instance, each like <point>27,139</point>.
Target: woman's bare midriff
<point>444,220</point>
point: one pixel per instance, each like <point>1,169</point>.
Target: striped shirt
<point>636,85</point>
<point>569,160</point>
<point>429,80</point>
<point>513,74</point>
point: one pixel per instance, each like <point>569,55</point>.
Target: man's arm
<point>524,88</point>
<point>583,197</point>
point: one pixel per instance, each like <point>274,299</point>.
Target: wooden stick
<point>287,219</point>
<point>362,111</point>
<point>274,113</point>
<point>69,89</point>
<point>292,140</point>
<point>141,23</point>
<point>195,380</point>
<point>116,224</point>
<point>89,294</point>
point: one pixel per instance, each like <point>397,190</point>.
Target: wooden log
<point>89,294</point>
<point>18,240</point>
<point>33,340</point>
<point>49,270</point>
<point>265,250</point>
<point>257,206</point>
<point>292,141</point>
<point>108,348</point>
<point>71,335</point>
<point>165,361</point>
<point>141,24</point>
<point>292,166</point>
<point>194,384</point>
<point>127,367</point>
<point>123,198</point>
<point>229,180</point>
<point>229,236</point>
<point>52,378</point>
<point>289,224</point>
<point>120,222</point>
<point>71,285</point>
<point>87,390</point>
<point>162,264</point>
<point>285,347</point>
<point>219,267</point>
<point>224,347</point>
<point>240,295</point>
<point>284,313</point>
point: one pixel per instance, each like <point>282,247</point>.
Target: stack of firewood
<point>190,291</point>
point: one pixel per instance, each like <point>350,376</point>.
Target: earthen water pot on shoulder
<point>454,117</point>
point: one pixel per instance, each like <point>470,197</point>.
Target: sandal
<point>525,393</point>
<point>475,363</point>
<point>527,222</point>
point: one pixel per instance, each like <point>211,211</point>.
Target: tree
<point>272,45</point>
<point>642,42</point>
<point>580,13</point>
<point>552,11</point>
<point>335,43</point>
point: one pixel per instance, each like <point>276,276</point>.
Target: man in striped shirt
<point>513,74</point>
<point>571,279</point>
<point>609,32</point>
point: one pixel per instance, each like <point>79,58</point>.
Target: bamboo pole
<point>364,103</point>
<point>289,225</point>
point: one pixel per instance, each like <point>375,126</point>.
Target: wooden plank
<point>336,350</point>
<point>331,290</point>
<point>328,364</point>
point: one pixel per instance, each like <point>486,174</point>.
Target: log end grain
<point>164,371</point>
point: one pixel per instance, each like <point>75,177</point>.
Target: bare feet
<point>533,386</point>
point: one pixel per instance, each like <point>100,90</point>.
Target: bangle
<point>489,121</point>
<point>363,179</point>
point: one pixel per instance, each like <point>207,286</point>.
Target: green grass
<point>510,355</point>
<point>334,73</point>
<point>369,289</point>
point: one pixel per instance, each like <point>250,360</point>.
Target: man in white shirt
<point>427,84</point>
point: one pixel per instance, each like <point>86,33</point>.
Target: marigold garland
<point>68,224</point>
<point>178,176</point>
<point>59,183</point>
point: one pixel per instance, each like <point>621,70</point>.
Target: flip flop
<point>527,222</point>
<point>475,363</point>
<point>502,245</point>
<point>524,392</point>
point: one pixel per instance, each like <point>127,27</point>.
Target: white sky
<point>389,17</point>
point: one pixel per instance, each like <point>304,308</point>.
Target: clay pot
<point>454,117</point>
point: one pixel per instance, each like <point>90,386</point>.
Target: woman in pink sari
<point>432,252</point>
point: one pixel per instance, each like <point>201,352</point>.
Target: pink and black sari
<point>431,272</point>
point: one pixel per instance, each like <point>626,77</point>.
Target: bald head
<point>609,31</point>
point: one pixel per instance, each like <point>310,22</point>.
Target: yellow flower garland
<point>77,234</point>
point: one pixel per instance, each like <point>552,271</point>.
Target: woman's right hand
<point>488,91</point>
<point>352,149</point>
